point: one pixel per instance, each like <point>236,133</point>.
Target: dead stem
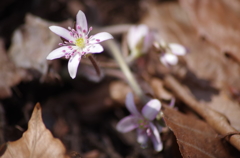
<point>215,119</point>
<point>228,135</point>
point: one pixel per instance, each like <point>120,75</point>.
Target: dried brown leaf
<point>36,142</point>
<point>196,138</point>
<point>31,44</point>
<point>118,91</point>
<point>204,59</point>
<point>225,105</point>
<point>9,74</point>
<point>206,69</point>
<point>233,5</point>
<point>159,90</point>
<point>217,22</point>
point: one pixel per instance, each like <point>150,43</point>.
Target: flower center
<point>80,42</point>
<point>143,123</point>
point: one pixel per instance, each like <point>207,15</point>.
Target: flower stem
<point>115,50</point>
<point>95,65</point>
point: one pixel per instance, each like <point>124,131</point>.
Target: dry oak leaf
<point>196,138</point>
<point>217,22</point>
<point>36,142</point>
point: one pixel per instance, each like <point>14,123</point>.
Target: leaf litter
<point>36,142</point>
<point>83,113</point>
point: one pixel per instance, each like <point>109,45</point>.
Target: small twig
<point>215,119</point>
<point>228,135</point>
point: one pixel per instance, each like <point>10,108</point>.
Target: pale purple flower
<point>139,40</point>
<point>77,43</point>
<point>142,122</point>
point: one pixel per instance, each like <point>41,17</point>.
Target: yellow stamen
<point>80,42</point>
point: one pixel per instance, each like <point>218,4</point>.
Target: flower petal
<point>60,31</point>
<point>151,109</point>
<point>131,39</point>
<point>158,146</point>
<point>82,21</point>
<point>57,53</point>
<point>169,59</point>
<point>95,48</point>
<point>131,105</point>
<point>177,49</point>
<point>102,36</point>
<point>136,35</point>
<point>142,137</point>
<point>164,61</point>
<point>172,102</point>
<point>155,137</point>
<point>147,43</point>
<point>127,124</point>
<point>73,65</point>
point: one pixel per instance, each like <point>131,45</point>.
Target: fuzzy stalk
<point>115,50</point>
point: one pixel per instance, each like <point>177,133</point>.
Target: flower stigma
<point>80,43</point>
<point>143,123</point>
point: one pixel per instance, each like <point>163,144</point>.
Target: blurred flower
<point>172,102</point>
<point>142,122</point>
<point>77,43</point>
<point>139,40</point>
<point>170,51</point>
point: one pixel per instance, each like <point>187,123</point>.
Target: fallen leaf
<point>118,91</point>
<point>31,44</point>
<point>159,90</point>
<point>217,22</point>
<point>234,5</point>
<point>206,72</point>
<point>225,105</point>
<point>196,138</point>
<point>36,142</point>
<point>92,154</point>
<point>203,59</point>
<point>10,75</point>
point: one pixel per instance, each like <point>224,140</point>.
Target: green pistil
<point>142,124</point>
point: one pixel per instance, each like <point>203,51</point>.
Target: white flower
<point>139,40</point>
<point>170,52</point>
<point>77,43</point>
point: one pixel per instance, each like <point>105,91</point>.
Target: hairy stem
<point>115,50</point>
